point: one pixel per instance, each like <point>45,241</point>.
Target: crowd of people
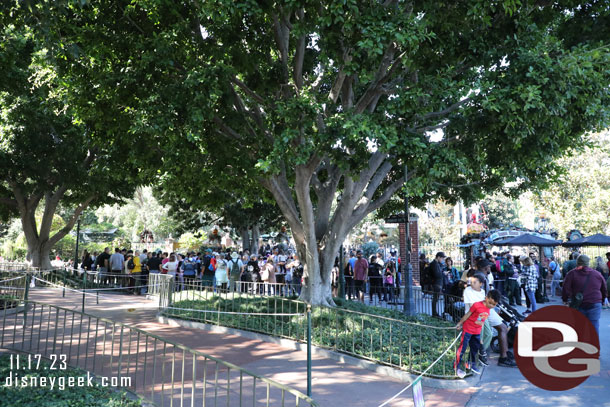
<point>378,276</point>
<point>273,272</point>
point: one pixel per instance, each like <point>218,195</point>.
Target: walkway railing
<point>162,371</point>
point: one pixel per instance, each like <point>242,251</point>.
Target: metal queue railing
<point>164,372</point>
<point>387,340</point>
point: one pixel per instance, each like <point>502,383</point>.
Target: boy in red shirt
<point>473,322</point>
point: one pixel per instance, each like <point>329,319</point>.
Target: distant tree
<point>580,199</point>
<point>502,211</point>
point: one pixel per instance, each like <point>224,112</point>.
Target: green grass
<point>45,397</point>
<point>382,335</point>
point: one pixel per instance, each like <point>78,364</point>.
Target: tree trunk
<point>38,256</point>
<point>256,234</point>
<point>39,240</point>
<point>319,231</point>
<point>38,251</point>
<point>245,238</point>
<point>318,264</point>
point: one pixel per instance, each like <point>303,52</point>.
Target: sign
<point>400,218</point>
<point>418,394</point>
<point>557,348</point>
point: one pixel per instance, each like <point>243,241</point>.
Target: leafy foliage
<point>502,211</point>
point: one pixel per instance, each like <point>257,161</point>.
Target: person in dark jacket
<point>375,279</point>
<point>592,285</point>
<point>436,270</point>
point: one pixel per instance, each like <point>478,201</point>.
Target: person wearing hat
<point>436,269</point>
<point>583,279</point>
<point>236,268</point>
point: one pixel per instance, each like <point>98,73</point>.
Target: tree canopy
<point>314,99</point>
<point>59,143</point>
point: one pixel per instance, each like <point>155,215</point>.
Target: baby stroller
<point>511,317</point>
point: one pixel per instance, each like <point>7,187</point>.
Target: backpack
<point>189,268</point>
<point>234,269</point>
<point>130,264</point>
<point>427,277</point>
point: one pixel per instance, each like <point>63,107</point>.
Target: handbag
<point>577,298</point>
<point>265,274</point>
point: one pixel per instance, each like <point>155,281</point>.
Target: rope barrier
<point>421,374</point>
<point>119,288</point>
<point>238,313</point>
<point>12,288</point>
<point>81,291</point>
<point>11,279</point>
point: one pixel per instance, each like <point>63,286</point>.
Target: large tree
<point>319,99</point>
<point>59,142</point>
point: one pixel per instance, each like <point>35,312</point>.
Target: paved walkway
<point>336,383</point>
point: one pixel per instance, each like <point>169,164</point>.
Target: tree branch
<point>226,130</point>
<point>377,158</point>
<point>457,185</point>
<point>66,229</point>
<point>347,95</point>
<point>377,179</point>
<point>278,186</point>
<point>282,35</point>
<point>432,127</point>
<point>338,83</point>
<point>449,109</point>
<point>299,56</point>
<point>248,91</point>
<point>241,108</point>
<point>381,77</point>
<point>50,206</point>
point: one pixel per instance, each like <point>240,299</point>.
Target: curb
<point>471,381</point>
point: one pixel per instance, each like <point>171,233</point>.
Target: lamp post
<point>341,275</point>
<point>77,236</point>
<point>409,305</point>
